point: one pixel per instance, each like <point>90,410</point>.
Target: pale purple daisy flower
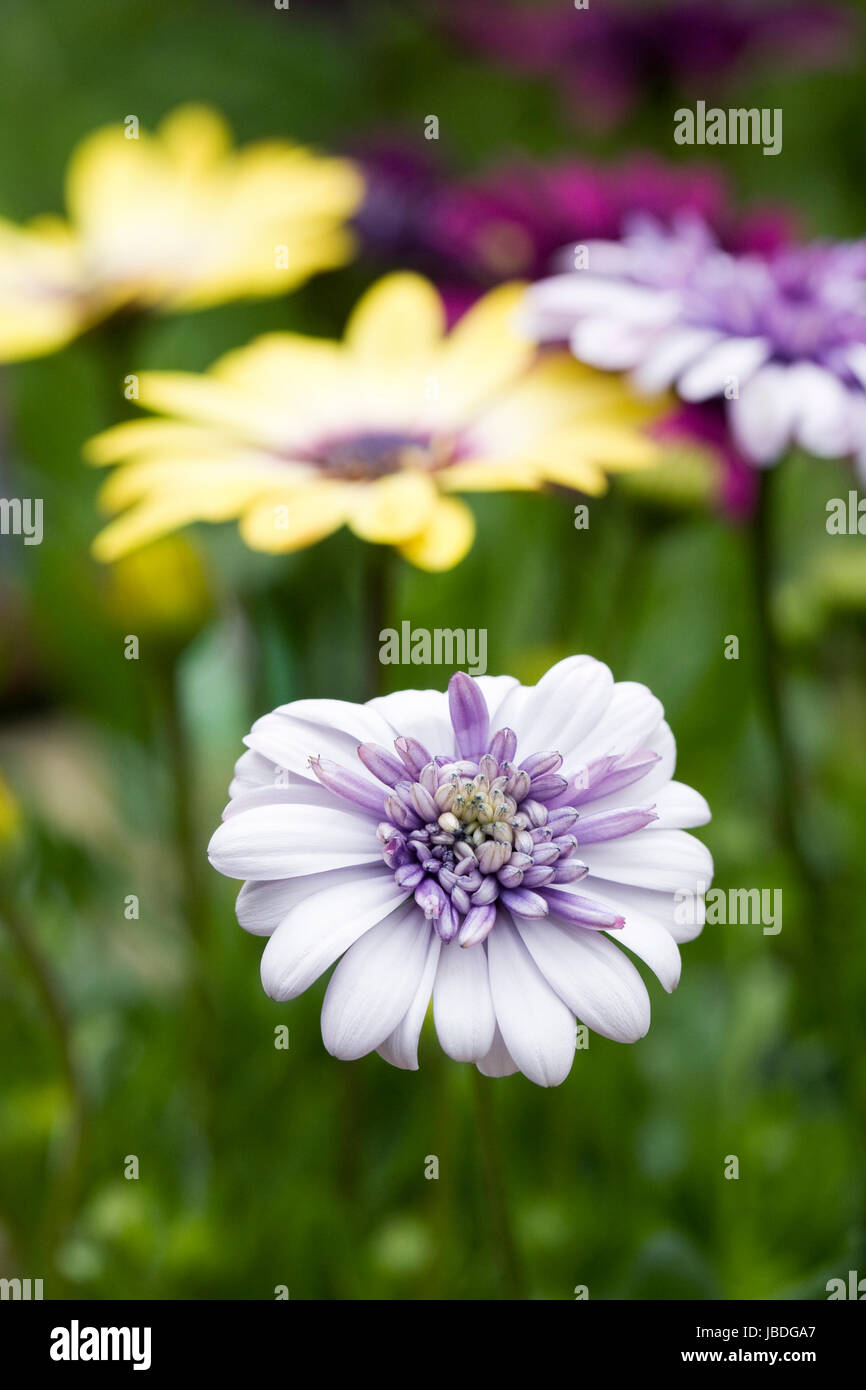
<point>482,848</point>
<point>781,338</point>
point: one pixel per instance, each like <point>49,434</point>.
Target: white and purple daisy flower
<point>781,337</point>
<point>483,847</point>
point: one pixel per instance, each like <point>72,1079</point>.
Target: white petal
<point>646,790</point>
<point>499,1061</point>
<point>632,719</point>
<point>374,984</point>
<point>643,934</point>
<point>558,712</point>
<point>611,344</point>
<point>679,807</point>
<point>400,1048</point>
<point>494,689</point>
<point>762,416</point>
<point>592,976</point>
<point>462,1006</point>
<point>671,353</point>
<point>281,841</point>
<point>536,1026</point>
<point>309,728</point>
<point>668,861</point>
<point>825,412</point>
<point>665,909</point>
<point>423,714</point>
<point>316,931</point>
<point>732,360</point>
<point>297,793</point>
<point>262,904</point>
<point>252,770</point>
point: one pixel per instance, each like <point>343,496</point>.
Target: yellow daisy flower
<point>172,221</point>
<point>295,436</point>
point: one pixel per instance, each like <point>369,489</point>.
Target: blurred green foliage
<point>262,1167</point>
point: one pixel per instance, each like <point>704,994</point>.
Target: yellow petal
<point>148,437</point>
<point>195,137</point>
<point>393,508</point>
<point>290,521</point>
<point>143,524</point>
<point>446,538</point>
<point>491,475</point>
<point>484,354</point>
<point>575,473</point>
<point>41,306</point>
<point>235,478</point>
<point>205,399</point>
<point>400,317</point>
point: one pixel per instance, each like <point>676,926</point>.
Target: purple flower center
<point>367,456</point>
<point>469,832</point>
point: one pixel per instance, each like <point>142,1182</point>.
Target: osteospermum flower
<point>172,221</point>
<point>295,437</point>
<point>492,848</point>
<point>781,338</point>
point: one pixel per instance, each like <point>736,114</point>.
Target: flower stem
<point>58,1212</point>
<point>375,599</point>
<point>788,774</point>
<point>190,859</point>
<point>489,1149</point>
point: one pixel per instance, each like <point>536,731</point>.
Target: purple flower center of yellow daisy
<point>367,456</point>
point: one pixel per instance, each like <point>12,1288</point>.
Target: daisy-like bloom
<point>172,221</point>
<point>295,437</point>
<point>485,848</point>
<point>781,339</point>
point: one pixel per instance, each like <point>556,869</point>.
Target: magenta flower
<point>483,847</point>
<point>511,222</point>
<point>607,58</point>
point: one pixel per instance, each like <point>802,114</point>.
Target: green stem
<point>376,601</point>
<point>59,1210</point>
<point>191,866</point>
<point>490,1148</point>
<point>771,665</point>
